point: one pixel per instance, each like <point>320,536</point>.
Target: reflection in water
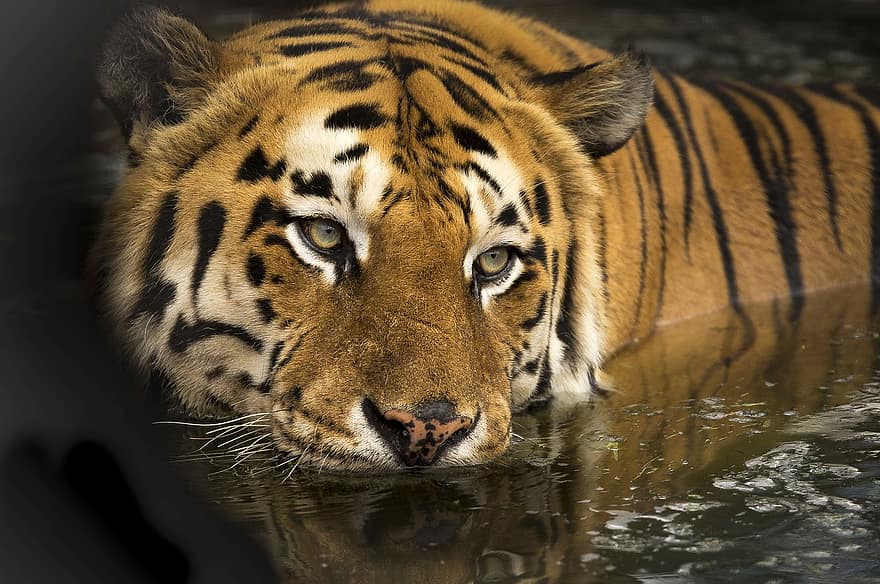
<point>729,442</point>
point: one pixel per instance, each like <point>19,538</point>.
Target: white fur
<point>485,204</point>
<point>311,148</point>
<point>367,440</point>
<point>465,452</point>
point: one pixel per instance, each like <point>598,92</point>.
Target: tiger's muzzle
<point>418,437</point>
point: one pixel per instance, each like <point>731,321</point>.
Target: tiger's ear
<point>155,67</point>
<point>603,103</point>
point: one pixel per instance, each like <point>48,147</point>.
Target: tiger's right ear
<point>603,103</point>
<point>154,69</point>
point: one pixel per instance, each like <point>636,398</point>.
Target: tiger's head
<point>372,228</point>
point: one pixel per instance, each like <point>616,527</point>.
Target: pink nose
<point>419,437</point>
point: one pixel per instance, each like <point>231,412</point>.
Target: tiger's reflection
<point>688,403</point>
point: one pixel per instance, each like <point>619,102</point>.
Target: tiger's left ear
<point>603,103</point>
<point>155,68</point>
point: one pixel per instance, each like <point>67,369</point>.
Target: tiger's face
<point>375,270</point>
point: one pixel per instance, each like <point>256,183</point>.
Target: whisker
<point>211,424</point>
<point>299,460</point>
<point>238,462</point>
<point>252,424</point>
<point>321,467</point>
<point>234,439</point>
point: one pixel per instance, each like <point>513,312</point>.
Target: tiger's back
<point>743,193</point>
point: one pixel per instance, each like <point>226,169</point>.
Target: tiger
<point>381,228</point>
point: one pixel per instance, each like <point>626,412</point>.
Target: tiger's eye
<point>324,234</point>
<point>493,262</point>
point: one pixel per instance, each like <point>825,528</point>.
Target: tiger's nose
<point>418,437</point>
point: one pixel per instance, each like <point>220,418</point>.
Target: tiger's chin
<point>352,462</point>
<point>367,452</point>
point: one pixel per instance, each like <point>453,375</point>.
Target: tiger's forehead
<point>360,155</point>
<point>359,163</point>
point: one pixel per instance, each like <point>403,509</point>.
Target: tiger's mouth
<point>388,441</point>
<point>420,439</point>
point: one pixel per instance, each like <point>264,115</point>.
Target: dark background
<point>84,493</point>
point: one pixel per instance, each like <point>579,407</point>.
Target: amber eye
<point>323,234</point>
<point>493,262</point>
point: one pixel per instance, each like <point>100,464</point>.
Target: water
<point>727,453</point>
<point>724,455</point>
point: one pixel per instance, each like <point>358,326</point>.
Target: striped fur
<point>433,132</point>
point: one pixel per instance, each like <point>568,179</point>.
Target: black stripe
<point>290,353</point>
<point>482,174</point>
<point>872,134</point>
<point>386,193</point>
<point>256,167</point>
<point>527,205</point>
<point>531,367</point>
<point>718,222</point>
<point>643,263</point>
<point>157,292</point>
<point>684,159</point>
<point>541,391</point>
<point>470,139</point>
<point>564,324</point>
<point>134,158</point>
<point>275,240</point>
<point>463,204</point>
<point>480,72</point>
<point>661,211</point>
<point>524,278</point>
<point>356,152</point>
<point>246,380</point>
<point>558,77</point>
<point>603,255</point>
<point>315,418</point>
<point>542,387</point>
<point>318,185</point>
<point>256,269</point>
<point>594,385</point>
<point>184,335</point>
<point>404,67</point>
<point>264,212</point>
<point>542,203</point>
<point>509,55</point>
<point>807,115</point>
<point>249,127</point>
<point>361,116</point>
<point>212,221</point>
<point>273,358</point>
<point>433,34</point>
<point>466,97</point>
<point>194,159</point>
<point>538,251</point>
<point>768,110</point>
<point>776,193</point>
<point>396,198</point>
<point>541,311</point>
<point>163,232</point>
<point>344,75</point>
<point>507,216</point>
<point>308,48</point>
<point>264,305</point>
